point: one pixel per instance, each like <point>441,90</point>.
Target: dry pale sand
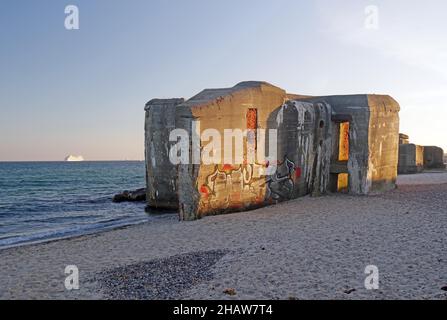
<point>303,249</point>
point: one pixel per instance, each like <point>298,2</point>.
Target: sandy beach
<point>309,248</point>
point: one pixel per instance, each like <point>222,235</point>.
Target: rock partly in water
<point>131,196</point>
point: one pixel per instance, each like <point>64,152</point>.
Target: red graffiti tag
<point>297,172</point>
<point>205,190</point>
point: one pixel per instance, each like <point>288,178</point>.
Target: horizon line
<point>11,161</point>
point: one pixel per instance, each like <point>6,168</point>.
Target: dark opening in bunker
<point>252,126</point>
<point>339,178</point>
<point>343,156</point>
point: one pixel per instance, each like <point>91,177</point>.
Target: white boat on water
<point>72,158</point>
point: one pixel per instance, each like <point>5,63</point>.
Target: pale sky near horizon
<point>83,91</point>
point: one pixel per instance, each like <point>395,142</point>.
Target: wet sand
<point>309,248</point>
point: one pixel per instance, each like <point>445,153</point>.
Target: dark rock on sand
<point>349,291</point>
<point>131,196</point>
<point>230,291</point>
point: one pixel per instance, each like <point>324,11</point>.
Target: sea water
<point>41,201</point>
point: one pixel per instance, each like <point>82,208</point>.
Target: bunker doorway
<point>339,172</point>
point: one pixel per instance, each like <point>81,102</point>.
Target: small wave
<point>57,219</point>
<point>20,240</point>
<point>97,200</point>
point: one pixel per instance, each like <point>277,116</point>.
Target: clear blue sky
<point>83,92</point>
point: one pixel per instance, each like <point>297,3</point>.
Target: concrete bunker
<point>323,144</point>
<point>415,158</point>
<point>161,174</point>
<point>411,158</point>
<point>433,158</point>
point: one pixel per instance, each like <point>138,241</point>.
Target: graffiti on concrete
<point>281,184</point>
<point>233,187</point>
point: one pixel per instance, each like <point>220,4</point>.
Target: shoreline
<point>308,248</point>
<point>69,237</point>
<point>403,179</point>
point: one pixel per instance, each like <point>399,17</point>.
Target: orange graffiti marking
<point>205,190</point>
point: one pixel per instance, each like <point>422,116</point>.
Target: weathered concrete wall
<point>373,139</point>
<point>411,158</point>
<point>161,174</point>
<point>356,107</point>
<point>304,142</point>
<point>212,189</point>
<point>383,142</point>
<point>433,157</point>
